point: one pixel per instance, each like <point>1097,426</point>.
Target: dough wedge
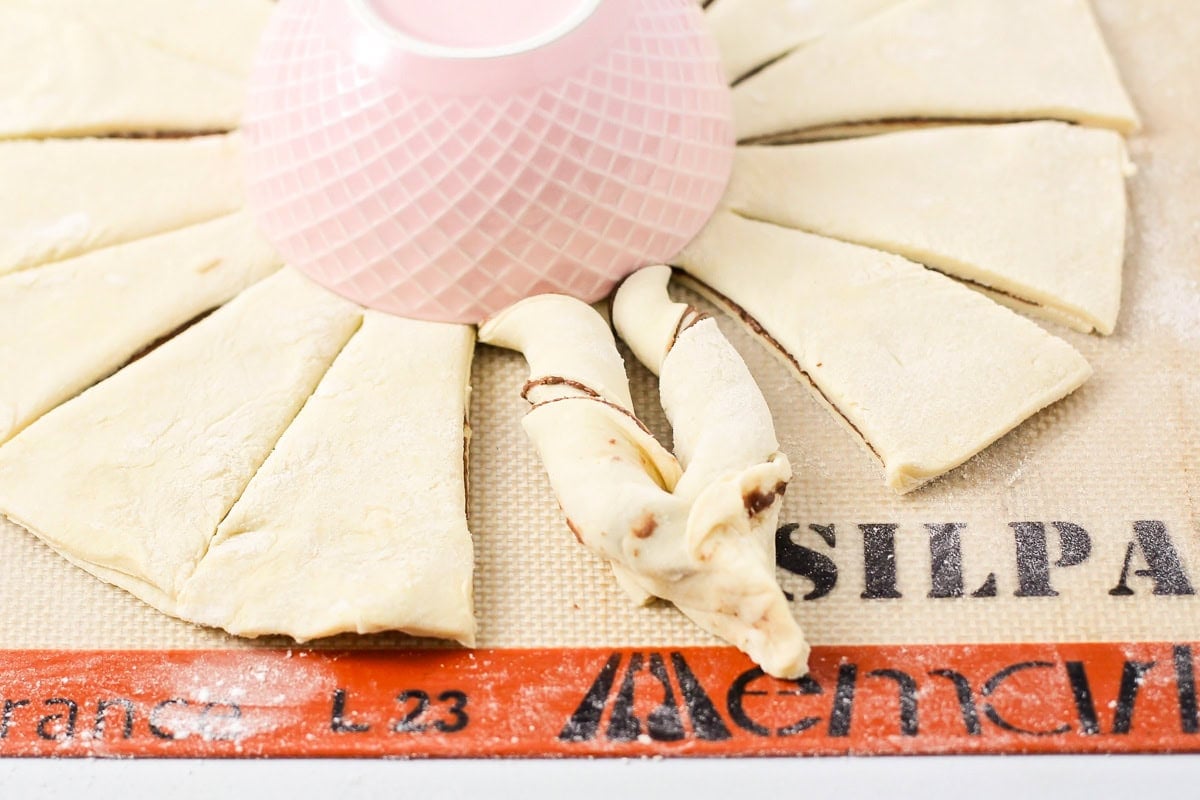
<point>65,326</point>
<point>64,198</point>
<point>99,82</point>
<point>925,371</point>
<point>357,519</point>
<point>1033,210</point>
<point>130,479</point>
<point>944,59</point>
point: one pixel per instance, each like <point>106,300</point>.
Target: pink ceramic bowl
<point>441,159</point>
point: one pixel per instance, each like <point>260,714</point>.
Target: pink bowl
<point>431,159</point>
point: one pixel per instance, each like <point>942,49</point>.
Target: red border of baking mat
<point>1029,698</point>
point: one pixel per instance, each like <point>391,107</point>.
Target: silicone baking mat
<point>1040,598</point>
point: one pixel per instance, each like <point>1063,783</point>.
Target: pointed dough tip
<point>645,317</point>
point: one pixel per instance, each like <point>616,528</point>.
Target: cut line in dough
<point>1036,211</point>
<point>751,33</point>
<point>130,479</point>
<point>65,326</point>
<point>65,77</point>
<point>924,391</point>
<point>1057,316</point>
<point>943,60</point>
<point>65,198</point>
<point>357,520</point>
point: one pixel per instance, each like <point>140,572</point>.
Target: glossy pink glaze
<point>447,188</point>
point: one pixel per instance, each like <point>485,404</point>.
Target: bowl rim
<point>367,13</point>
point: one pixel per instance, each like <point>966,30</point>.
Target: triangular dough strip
<point>63,77</point>
<point>614,482</point>
<point>221,33</point>
<point>63,198</point>
<point>131,478</point>
<point>751,33</point>
<point>357,520</point>
<point>926,371</point>
<point>68,325</point>
<point>1034,210</point>
<point>944,59</point>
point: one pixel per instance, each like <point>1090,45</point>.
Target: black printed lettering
<point>706,722</point>
<point>219,722</point>
<point>10,708</point>
<point>1033,561</point>
<point>805,562</point>
<point>457,711</point>
<point>907,689</point>
<point>1085,701</point>
<point>1185,685</point>
<point>842,713</point>
<point>156,724</point>
<point>945,560</point>
<point>879,561</point>
<point>417,706</point>
<point>66,719</point>
<point>662,723</point>
<point>408,723</point>
<point>740,690</point>
<point>337,715</point>
<point>966,699</point>
<point>1132,675</point>
<point>585,722</point>
<point>735,702</point>
<point>1163,566</point>
<point>102,708</point>
<point>993,685</point>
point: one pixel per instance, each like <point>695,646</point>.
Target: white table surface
<point>928,778</point>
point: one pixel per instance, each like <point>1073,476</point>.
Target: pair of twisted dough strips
<point>696,528</point>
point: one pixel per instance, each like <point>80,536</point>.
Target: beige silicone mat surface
<point>1125,448</point>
